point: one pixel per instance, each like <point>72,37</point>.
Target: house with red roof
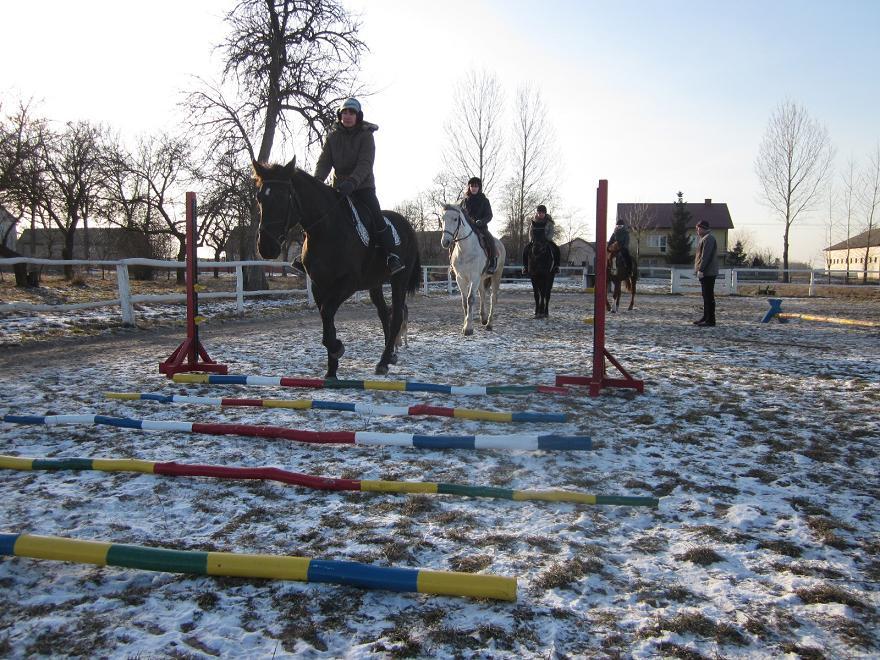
<point>650,225</point>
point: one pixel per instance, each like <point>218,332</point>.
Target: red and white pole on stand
<point>191,355</point>
<point>599,379</point>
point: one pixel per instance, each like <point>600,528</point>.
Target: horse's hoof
<point>393,359</point>
<point>468,332</point>
<point>381,369</point>
<point>488,327</point>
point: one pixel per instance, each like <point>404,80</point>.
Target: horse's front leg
<point>632,298</point>
<point>335,349</point>
<point>536,291</point>
<point>467,304</point>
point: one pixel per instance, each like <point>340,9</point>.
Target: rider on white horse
<point>478,210</point>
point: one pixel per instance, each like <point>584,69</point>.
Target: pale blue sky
<point>654,96</point>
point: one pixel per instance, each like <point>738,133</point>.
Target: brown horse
<point>620,270</point>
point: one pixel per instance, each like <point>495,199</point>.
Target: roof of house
<point>859,240</point>
<point>577,240</point>
<point>660,215</point>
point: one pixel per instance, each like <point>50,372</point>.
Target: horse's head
<point>453,220</point>
<point>279,206</point>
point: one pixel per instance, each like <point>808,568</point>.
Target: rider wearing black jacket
<point>479,211</point>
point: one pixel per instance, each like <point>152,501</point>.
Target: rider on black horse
<point>539,234</point>
<point>478,210</point>
<point>350,151</point>
<point>618,246</point>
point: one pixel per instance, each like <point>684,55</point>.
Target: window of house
<point>657,241</point>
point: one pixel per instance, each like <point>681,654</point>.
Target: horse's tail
<point>415,276</point>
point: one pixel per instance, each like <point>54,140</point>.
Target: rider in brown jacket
<point>349,151</point>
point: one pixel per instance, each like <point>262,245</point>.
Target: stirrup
<point>297,265</point>
<point>395,265</point>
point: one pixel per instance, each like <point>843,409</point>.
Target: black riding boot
<point>525,268</point>
<point>297,265</point>
<point>386,242</point>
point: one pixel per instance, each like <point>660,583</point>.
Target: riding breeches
<point>367,197</point>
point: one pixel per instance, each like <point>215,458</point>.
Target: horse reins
<point>454,235</point>
<point>293,198</point>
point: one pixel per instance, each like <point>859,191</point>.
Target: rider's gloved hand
<point>346,187</point>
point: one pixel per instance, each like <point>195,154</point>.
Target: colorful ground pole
<point>319,483</point>
<point>346,406</point>
<point>272,567</point>
<point>544,442</point>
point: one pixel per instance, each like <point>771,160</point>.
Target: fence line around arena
<point>435,279</point>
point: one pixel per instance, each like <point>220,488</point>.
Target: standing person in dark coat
<point>349,151</point>
<point>478,209</point>
<point>542,230</point>
<point>706,268</point>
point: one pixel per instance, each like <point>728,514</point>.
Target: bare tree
<point>22,139</point>
<point>474,130</point>
<point>793,161</point>
<point>869,202</point>
<point>532,155</point>
<point>71,163</point>
<point>849,199</point>
<point>288,64</point>
<point>639,217</point>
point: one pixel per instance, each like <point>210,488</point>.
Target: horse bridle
<point>293,199</point>
<point>453,235</point>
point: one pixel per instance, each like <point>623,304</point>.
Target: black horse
<point>621,270</point>
<point>542,268</point>
<point>334,256</point>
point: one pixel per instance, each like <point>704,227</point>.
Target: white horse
<point>469,263</point>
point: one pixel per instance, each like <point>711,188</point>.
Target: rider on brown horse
<point>618,246</point>
<point>541,223</point>
<point>349,151</point>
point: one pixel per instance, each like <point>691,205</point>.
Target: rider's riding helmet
<point>620,222</point>
<point>351,104</point>
<point>542,208</point>
<point>475,181</point>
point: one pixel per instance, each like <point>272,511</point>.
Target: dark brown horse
<point>542,268</point>
<point>334,256</point>
<point>621,270</point>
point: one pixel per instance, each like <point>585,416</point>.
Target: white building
<point>858,255</point>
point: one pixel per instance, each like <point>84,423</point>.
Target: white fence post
<point>124,288</point>
<point>239,290</point>
<point>812,290</point>
<point>734,282</point>
<point>425,278</point>
<point>675,281</point>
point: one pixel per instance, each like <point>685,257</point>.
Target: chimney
<point>709,202</point>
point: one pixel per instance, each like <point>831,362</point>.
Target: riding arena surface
<point>760,440</point>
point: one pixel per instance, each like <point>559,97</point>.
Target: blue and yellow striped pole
<point>271,567</point>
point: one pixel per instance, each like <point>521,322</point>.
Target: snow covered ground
<point>761,442</point>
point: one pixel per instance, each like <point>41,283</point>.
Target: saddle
<point>361,229</point>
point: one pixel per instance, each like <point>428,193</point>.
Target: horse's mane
<point>289,171</point>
